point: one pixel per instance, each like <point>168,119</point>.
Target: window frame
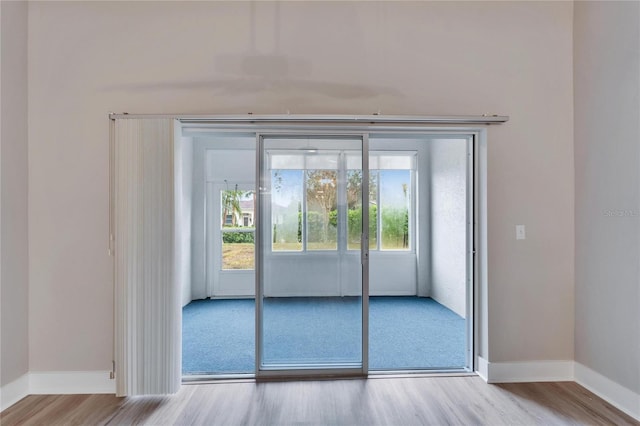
<point>342,232</point>
<point>215,236</point>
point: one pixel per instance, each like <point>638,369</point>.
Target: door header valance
<point>368,120</point>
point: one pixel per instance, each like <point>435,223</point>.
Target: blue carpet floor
<point>404,333</point>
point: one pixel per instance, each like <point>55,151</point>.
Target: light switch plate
<point>520,232</point>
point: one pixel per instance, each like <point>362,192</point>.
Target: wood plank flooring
<point>376,401</point>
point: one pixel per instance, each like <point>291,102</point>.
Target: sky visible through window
<point>392,187</point>
<point>287,187</point>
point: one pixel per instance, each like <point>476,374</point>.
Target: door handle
<point>364,248</point>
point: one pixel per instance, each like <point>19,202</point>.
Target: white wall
<point>607,156</point>
<point>448,218</point>
<point>14,269</point>
<point>89,58</point>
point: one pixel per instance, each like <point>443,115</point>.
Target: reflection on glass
<point>286,210</point>
<point>322,210</point>
<point>354,209</point>
<point>394,208</point>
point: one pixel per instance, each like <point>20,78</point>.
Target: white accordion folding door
<point>143,235</point>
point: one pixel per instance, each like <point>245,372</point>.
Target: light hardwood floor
<point>388,401</point>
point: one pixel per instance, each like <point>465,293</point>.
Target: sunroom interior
<point>286,214</point>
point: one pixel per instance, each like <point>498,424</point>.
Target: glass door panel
<point>420,286</point>
<point>310,304</point>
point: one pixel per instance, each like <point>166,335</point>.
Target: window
<point>322,209</point>
<point>304,204</point>
<point>238,237</point>
<point>354,209</point>
<point>394,207</point>
<point>390,191</point>
<point>286,210</point>
<point>305,193</point>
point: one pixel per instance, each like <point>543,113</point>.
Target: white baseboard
<point>56,383</point>
<point>14,391</point>
<point>526,371</point>
<point>483,368</point>
<point>561,371</point>
<point>70,382</point>
<point>615,394</point>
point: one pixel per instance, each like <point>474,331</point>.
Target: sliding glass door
<point>312,264</point>
<point>357,248</point>
<point>420,288</point>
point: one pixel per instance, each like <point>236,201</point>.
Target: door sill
<point>291,376</point>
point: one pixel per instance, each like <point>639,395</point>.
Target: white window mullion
<point>304,209</point>
<point>378,212</point>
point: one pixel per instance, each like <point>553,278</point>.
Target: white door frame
<point>477,238</point>
<point>223,283</point>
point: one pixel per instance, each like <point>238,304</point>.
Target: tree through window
<point>322,209</point>
<point>306,190</point>
<point>238,233</point>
